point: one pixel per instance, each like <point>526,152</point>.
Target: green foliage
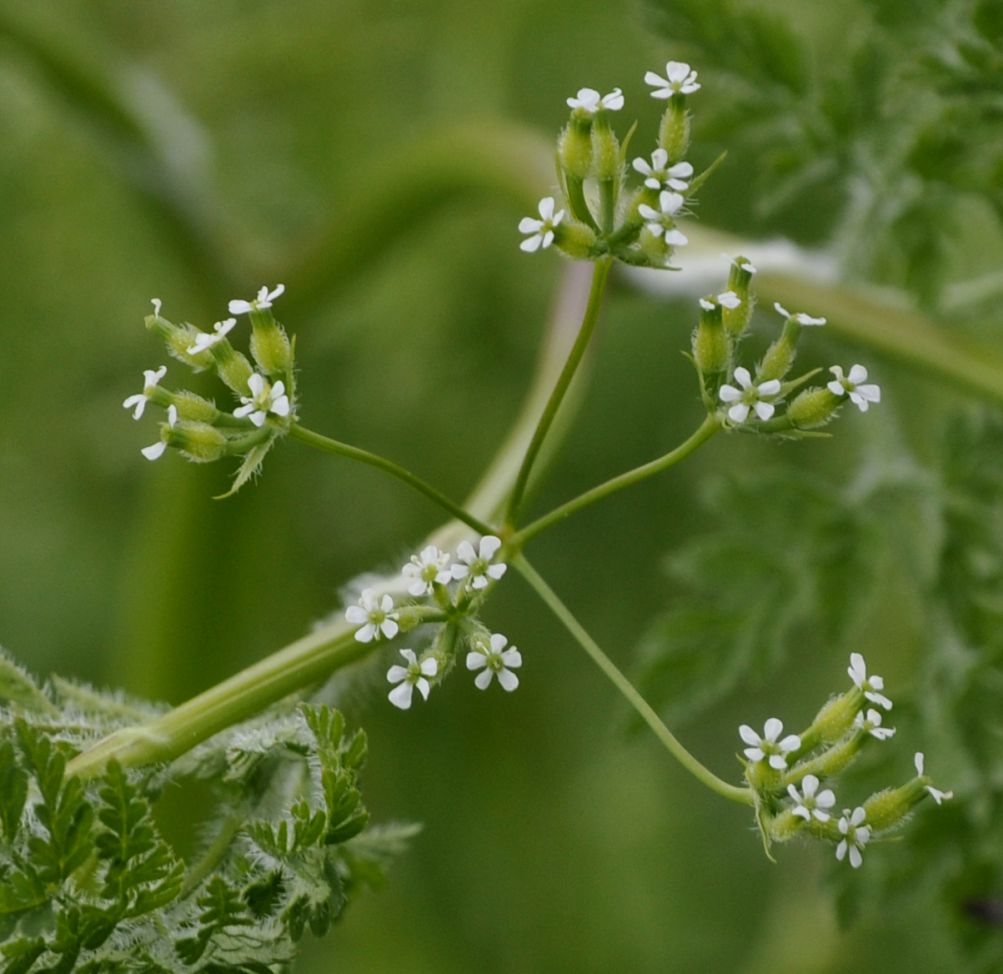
<point>878,144</point>
<point>90,885</point>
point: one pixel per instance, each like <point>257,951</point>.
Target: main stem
<point>338,448</point>
<point>599,277</point>
<point>700,436</point>
<point>244,694</point>
<point>704,775</point>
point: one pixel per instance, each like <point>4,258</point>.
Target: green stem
<point>734,793</point>
<point>700,436</point>
<point>165,738</point>
<point>599,277</point>
<point>394,469</point>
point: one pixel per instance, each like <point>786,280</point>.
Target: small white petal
<point>475,660</point>
<point>855,857</point>
<point>483,679</point>
<point>389,628</point>
<point>429,666</point>
<point>509,681</point>
<point>742,377</point>
<point>489,546</point>
<point>423,687</point>
<point>857,374</point>
<point>729,393</point>
<point>772,729</point>
<point>918,761</point>
<point>400,696</point>
<point>366,633</point>
<point>512,658</point>
<point>738,413</point>
<point>396,673</point>
<point>748,735</point>
<point>356,615</point>
<point>770,388</point>
<point>155,451</point>
<point>676,238</point>
<point>764,410</point>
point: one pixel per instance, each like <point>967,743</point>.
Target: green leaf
<point>17,687</point>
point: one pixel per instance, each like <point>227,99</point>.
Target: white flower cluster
<point>265,399</point>
<point>776,753</point>
<point>428,574</point>
<point>670,181</point>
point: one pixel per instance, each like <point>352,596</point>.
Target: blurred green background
<point>262,142</point>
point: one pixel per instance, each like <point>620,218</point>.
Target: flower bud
<point>711,346</point>
<point>831,761</point>
<point>737,319</point>
<point>887,808</point>
<point>575,239</point>
<point>574,148</point>
<point>834,719</point>
<point>232,366</point>
<point>270,344</point>
<point>194,408</point>
<point>199,442</point>
<point>780,355</point>
<point>674,131</point>
<point>812,408</point>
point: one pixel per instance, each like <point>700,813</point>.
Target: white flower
<point>495,661</point>
<point>852,385</point>
<point>800,317</point>
<point>748,397</point>
<point>679,77</point>
<point>767,746</point>
<point>660,221</point>
<point>871,685</point>
<point>156,450</point>
<point>810,802</point>
<point>262,301</point>
<point>745,264</point>
<point>938,796</point>
<point>588,100</point>
<point>729,299</point>
<point>137,403</point>
<point>660,175</point>
<point>374,615</point>
<point>264,399</point>
<point>408,677</point>
<point>855,835</point>
<point>157,304</point>
<point>426,569</point>
<point>206,339</point>
<point>478,566</point>
<point>870,723</point>
<point>542,230</point>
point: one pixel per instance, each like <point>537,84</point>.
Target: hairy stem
<point>599,277</point>
<point>734,793</point>
<point>703,433</point>
<point>394,469</point>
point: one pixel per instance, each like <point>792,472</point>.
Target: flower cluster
<point>597,213</point>
<point>757,398</point>
<point>453,588</point>
<point>264,390</point>
<point>786,772</point>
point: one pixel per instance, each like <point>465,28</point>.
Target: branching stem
<point>338,448</point>
<point>734,793</point>
<point>600,275</point>
<point>703,433</point>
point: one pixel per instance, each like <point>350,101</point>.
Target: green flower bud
<point>575,239</point>
<point>780,355</point>
<point>232,366</point>
<point>812,408</point>
<point>674,131</point>
<point>834,719</point>
<point>195,408</point>
<point>737,319</point>
<point>199,442</point>
<point>711,345</point>
<point>270,344</point>
<point>574,148</point>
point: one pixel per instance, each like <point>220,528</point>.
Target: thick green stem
<point>165,738</point>
<point>394,469</point>
<point>703,433</point>
<point>734,793</point>
<point>599,277</point>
